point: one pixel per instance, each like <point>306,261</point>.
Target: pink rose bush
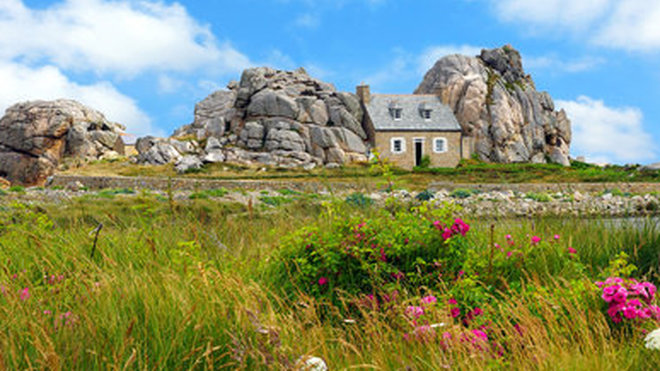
<point>629,300</point>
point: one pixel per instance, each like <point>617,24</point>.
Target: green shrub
<point>209,193</point>
<point>425,195</point>
<point>539,197</point>
<point>275,200</point>
<point>288,192</point>
<point>17,189</point>
<point>357,256</point>
<point>425,163</point>
<point>358,199</point>
<point>463,193</point>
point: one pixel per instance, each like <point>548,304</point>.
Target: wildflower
<point>429,299</point>
<point>509,254</point>
<point>508,237</point>
<point>323,281</point>
<point>572,251</point>
<point>447,234</point>
<point>452,302</point>
<point>556,237</point>
<point>414,311</point>
<point>497,246</point>
<point>47,312</point>
<point>536,240</point>
<point>652,340</point>
<point>398,275</point>
<point>25,294</point>
<point>461,227</point>
<point>455,312</point>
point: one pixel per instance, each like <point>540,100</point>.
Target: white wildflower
<point>652,340</point>
<point>311,364</point>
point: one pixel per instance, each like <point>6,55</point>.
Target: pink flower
<point>508,237</point>
<point>429,299</point>
<point>447,234</point>
<point>323,281</point>
<point>572,251</point>
<point>47,312</point>
<point>25,294</point>
<point>536,240</point>
<point>497,246</point>
<point>509,254</point>
<point>415,311</point>
<point>609,292</point>
<point>452,301</point>
<point>461,227</point>
<point>397,275</point>
<point>630,312</point>
<point>556,237</point>
<point>455,312</point>
<point>438,225</point>
<point>477,312</point>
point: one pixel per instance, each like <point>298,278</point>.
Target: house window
<point>397,113</point>
<point>398,145</point>
<point>439,145</point>
<point>426,114</point>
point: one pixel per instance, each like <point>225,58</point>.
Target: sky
<point>145,63</point>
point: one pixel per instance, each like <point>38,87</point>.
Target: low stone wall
<point>306,185</point>
<point>183,184</point>
<point>551,187</point>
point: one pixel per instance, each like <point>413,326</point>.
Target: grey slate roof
<point>442,117</point>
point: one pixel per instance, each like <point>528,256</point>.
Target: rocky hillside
<point>36,136</point>
<point>497,104</point>
<point>271,117</point>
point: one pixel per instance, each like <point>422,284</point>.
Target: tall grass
<point>183,286</point>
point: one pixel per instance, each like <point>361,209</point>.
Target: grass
<point>468,172</point>
<point>184,285</point>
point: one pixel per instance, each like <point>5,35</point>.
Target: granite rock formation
<point>271,117</point>
<point>497,105</point>
<point>35,136</point>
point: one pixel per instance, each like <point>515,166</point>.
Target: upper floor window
<point>397,113</point>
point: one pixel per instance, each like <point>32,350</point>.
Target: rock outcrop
<point>498,105</point>
<point>35,136</point>
<point>271,117</point>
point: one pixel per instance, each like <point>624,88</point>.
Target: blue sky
<point>145,63</point>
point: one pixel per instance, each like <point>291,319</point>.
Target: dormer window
<point>396,110</point>
<point>426,114</point>
<point>425,111</point>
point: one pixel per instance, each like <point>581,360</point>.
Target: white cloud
<point>308,20</point>
<point>632,26</point>
<point>629,25</point>
<point>124,37</point>
<point>553,13</point>
<point>433,53</point>
<point>608,134</point>
<point>557,64</point>
<point>21,83</point>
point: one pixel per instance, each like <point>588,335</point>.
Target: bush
<point>358,199</point>
<point>355,256</point>
<point>209,193</point>
<point>539,197</point>
<point>463,193</point>
<point>275,200</point>
<point>425,195</point>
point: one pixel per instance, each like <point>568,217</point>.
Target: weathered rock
<point>282,139</point>
<point>497,104</point>
<point>272,104</point>
<point>35,136</point>
<point>212,144</point>
<point>160,153</point>
<point>214,156</point>
<point>322,137</point>
<point>188,163</point>
<point>349,141</point>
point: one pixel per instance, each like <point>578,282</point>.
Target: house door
<point>419,151</point>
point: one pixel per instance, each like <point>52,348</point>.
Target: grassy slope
<point>176,286</point>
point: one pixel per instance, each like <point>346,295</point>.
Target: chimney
<point>364,93</point>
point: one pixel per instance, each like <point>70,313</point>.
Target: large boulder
<point>35,136</point>
<point>498,105</point>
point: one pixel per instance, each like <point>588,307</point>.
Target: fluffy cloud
<point>555,13</point>
<point>21,83</point>
<point>608,134</point>
<point>43,50</point>
<point>630,25</point>
<point>123,37</point>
